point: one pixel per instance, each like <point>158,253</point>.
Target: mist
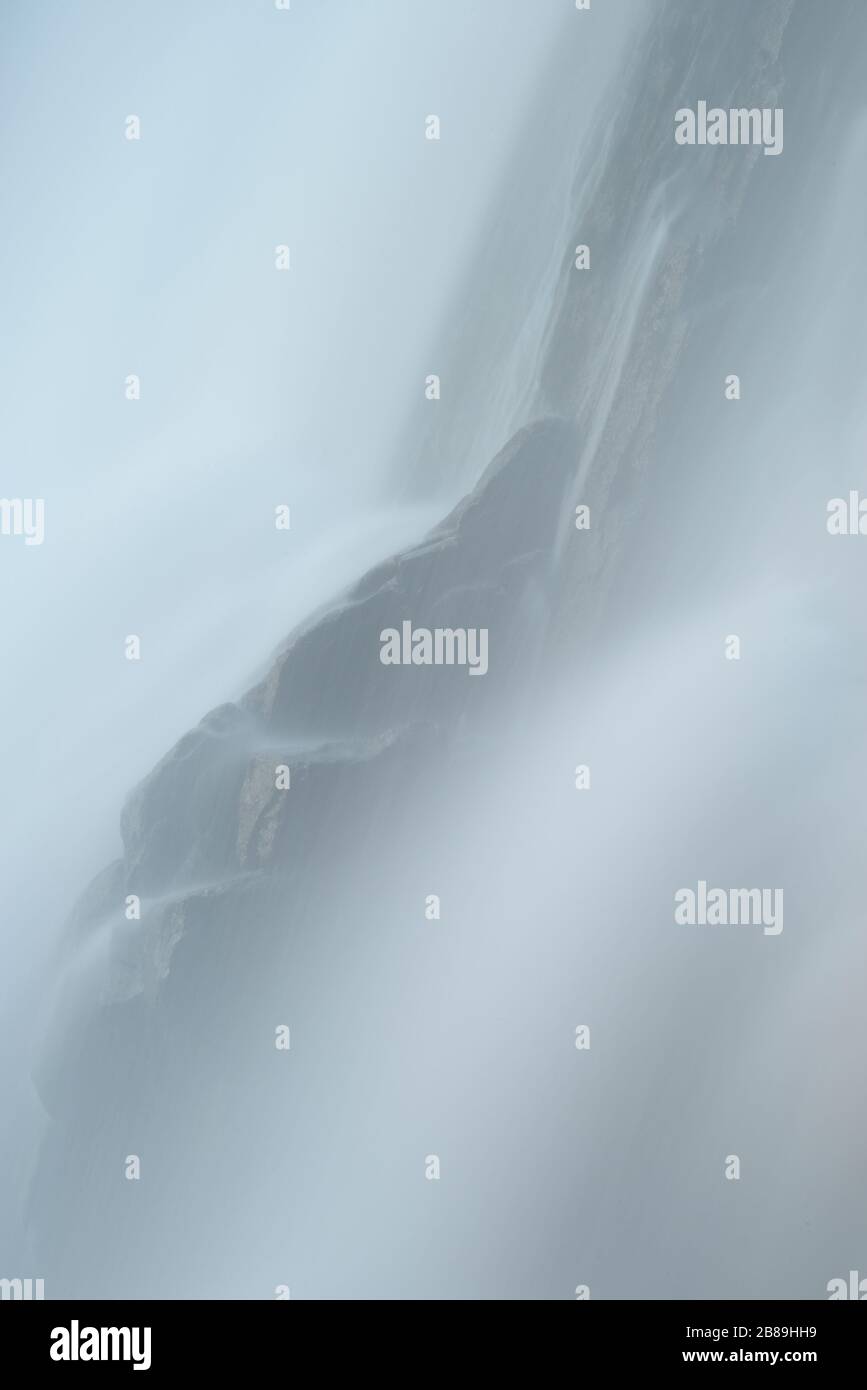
<point>413,1036</point>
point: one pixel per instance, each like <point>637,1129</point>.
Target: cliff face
<point>233,871</point>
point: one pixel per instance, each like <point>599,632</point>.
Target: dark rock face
<point>233,873</point>
<point>331,711</point>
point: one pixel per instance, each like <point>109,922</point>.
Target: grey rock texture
<point>232,873</point>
